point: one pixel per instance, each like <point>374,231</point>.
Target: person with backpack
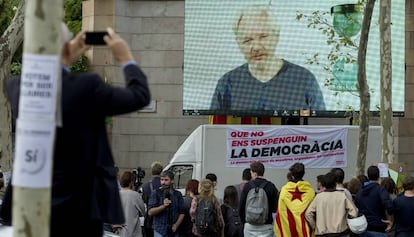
<point>257,203</point>
<point>206,213</point>
<point>295,196</point>
<point>166,206</point>
<point>191,191</point>
<point>147,189</point>
<point>233,227</point>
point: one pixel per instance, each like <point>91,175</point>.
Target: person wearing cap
<point>85,192</point>
<point>166,205</point>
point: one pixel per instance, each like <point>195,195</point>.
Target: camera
<point>139,174</point>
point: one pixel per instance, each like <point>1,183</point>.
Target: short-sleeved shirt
<point>163,222</point>
<point>293,88</point>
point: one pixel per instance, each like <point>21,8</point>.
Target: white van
<point>204,151</point>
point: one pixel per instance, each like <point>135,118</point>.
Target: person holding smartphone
<point>84,189</point>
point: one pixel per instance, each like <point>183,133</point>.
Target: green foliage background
<point>72,17</point>
<point>7,13</point>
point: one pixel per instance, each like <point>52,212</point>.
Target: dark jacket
<point>272,198</point>
<point>84,187</point>
<point>153,184</point>
<point>186,227</point>
<point>373,200</point>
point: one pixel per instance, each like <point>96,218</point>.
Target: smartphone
<point>95,37</point>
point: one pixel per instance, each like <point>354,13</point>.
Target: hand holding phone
<point>95,37</point>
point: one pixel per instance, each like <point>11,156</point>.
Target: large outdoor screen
<point>285,58</point>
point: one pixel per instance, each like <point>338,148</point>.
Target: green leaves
<point>15,68</point>
<point>73,19</point>
<point>82,65</point>
<point>6,14</point>
<point>73,15</point>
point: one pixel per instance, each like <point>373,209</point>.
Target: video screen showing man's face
<point>255,58</point>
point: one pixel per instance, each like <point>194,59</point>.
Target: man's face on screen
<point>256,39</point>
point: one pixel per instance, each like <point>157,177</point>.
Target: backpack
<point>233,225</point>
<point>186,227</point>
<point>206,218</point>
<point>257,207</point>
<point>148,219</point>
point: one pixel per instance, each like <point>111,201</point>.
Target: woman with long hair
<point>191,191</point>
<point>233,227</point>
<point>203,225</point>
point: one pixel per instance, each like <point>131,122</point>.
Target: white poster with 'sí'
<point>34,152</point>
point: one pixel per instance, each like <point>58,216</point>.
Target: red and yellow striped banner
<point>223,119</point>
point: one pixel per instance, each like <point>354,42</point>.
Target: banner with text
<point>282,146</point>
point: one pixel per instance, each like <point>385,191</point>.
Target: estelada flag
<point>223,119</point>
<point>290,220</point>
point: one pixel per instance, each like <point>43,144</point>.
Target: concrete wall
<point>406,124</point>
<point>155,31</point>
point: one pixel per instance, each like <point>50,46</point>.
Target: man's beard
<point>260,65</point>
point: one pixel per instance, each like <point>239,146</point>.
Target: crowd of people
<point>255,207</point>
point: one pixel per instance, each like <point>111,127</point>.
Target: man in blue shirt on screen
<point>264,82</point>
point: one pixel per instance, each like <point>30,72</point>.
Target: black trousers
<point>148,232</point>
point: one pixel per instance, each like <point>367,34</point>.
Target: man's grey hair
<point>257,10</point>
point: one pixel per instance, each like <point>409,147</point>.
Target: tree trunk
<point>386,82</point>
<point>31,203</point>
<point>363,89</point>
<point>9,43</point>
